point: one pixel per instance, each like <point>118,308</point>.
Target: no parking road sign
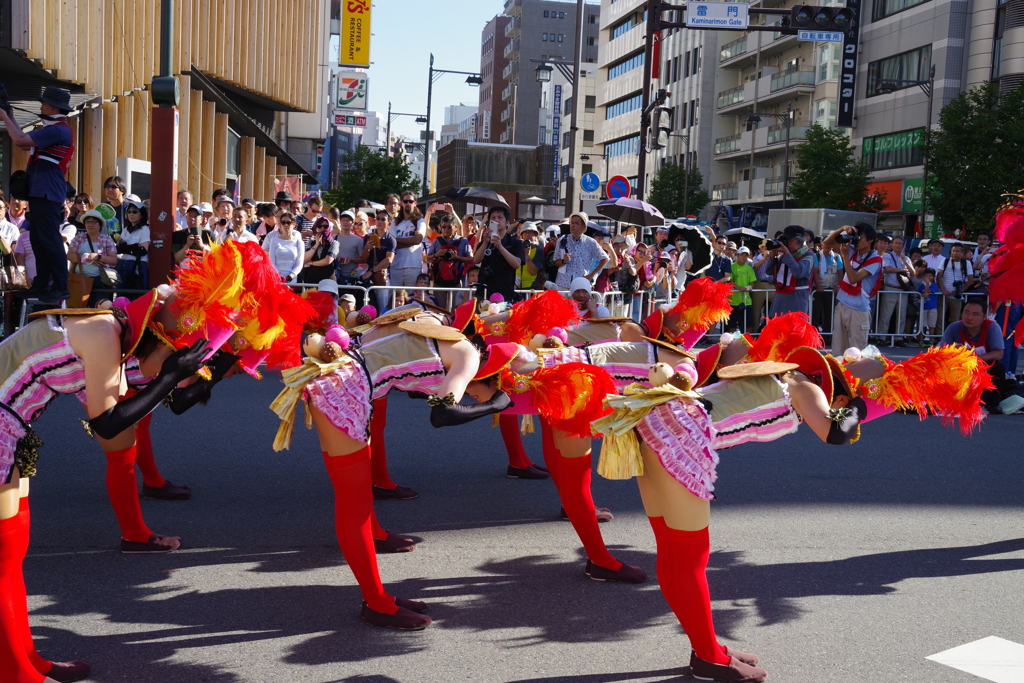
<point>618,186</point>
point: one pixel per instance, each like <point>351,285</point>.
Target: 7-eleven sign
<point>351,91</point>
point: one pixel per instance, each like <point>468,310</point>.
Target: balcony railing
<point>792,77</point>
<point>507,91</point>
<point>774,186</point>
<point>725,191</point>
<point>731,96</point>
<point>733,49</point>
<point>513,46</point>
<point>728,144</point>
<point>777,133</point>
<point>509,68</point>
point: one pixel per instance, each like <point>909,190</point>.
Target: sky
<point>404,33</point>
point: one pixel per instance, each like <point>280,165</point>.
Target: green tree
<point>370,174</point>
<point>667,191</point>
<point>976,156</point>
<point>829,176</point>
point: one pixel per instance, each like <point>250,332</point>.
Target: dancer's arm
<point>199,391</point>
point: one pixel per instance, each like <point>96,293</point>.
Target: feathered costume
<point>1006,267</point>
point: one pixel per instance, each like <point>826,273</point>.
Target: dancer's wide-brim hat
<point>464,314</point>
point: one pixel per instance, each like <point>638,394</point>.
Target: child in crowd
<point>930,314</point>
<point>423,281</point>
<point>743,278</point>
<point>401,298</point>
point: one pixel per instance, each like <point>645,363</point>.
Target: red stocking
<point>123,489</point>
<point>353,510</point>
<point>15,664</point>
<point>517,457</point>
<point>378,452</point>
<point>19,597</point>
<point>685,585</point>
<point>379,532</point>
<point>572,478</point>
<point>144,458</point>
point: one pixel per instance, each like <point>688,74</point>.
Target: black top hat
<point>57,97</point>
<point>283,196</point>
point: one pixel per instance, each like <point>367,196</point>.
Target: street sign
<point>590,196</point>
<point>618,186</point>
<point>730,15</point>
<point>590,182</point>
<point>359,121</point>
<point>821,36</point>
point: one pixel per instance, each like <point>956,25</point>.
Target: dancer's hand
<point>185,362</point>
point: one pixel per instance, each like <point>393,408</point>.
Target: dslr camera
<point>447,254</point>
<point>772,244</point>
<point>847,238</point>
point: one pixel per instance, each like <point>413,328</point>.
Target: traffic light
<point>815,18</point>
<point>661,126</point>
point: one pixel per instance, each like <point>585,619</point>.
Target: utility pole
<point>577,92</point>
<point>653,25</point>
<point>426,141</point>
<point>165,95</point>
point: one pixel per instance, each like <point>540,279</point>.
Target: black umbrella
<point>476,193</point>
<point>629,210</point>
<point>697,241</point>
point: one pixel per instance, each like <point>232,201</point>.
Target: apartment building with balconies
<point>493,61</point>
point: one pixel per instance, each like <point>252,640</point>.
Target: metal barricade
<point>385,297</point>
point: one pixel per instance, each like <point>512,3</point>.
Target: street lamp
<point>787,120</point>
<point>928,88</point>
<point>473,78</point>
<point>568,71</point>
<point>394,115</point>
<point>543,73</point>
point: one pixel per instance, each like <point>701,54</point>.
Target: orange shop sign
<point>893,190</point>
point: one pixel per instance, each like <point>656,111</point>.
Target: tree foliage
<point>667,191</point>
<point>370,174</point>
<point>976,156</point>
<point>830,177</point>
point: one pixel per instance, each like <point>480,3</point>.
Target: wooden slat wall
<point>112,47</point>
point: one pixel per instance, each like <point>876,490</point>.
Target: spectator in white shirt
<point>981,257</point>
<point>409,230</point>
<point>184,201</point>
<point>954,277</point>
<point>238,231</point>
<point>285,248</point>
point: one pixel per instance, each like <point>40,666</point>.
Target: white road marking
<point>992,658</point>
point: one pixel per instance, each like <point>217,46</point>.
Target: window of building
<point>544,37</point>
<point>568,106</point>
<point>546,14</point>
<point>593,17</point>
<point>565,139</point>
<point>895,150</point>
<point>591,40</point>
<point>624,146</point>
<point>886,8</point>
<point>561,15</point>
<point>693,112</point>
<point>589,103</point>
<point>686,64</point>
<point>903,69</point>
<point>588,138</point>
<point>625,66</point>
<point>696,61</point>
<point>586,168</point>
<point>560,37</point>
<point>623,106</point>
<point>682,114</point>
<point>829,61</point>
<point>825,113</point>
<point>997,43</point>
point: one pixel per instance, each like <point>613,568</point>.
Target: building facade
<point>493,62</point>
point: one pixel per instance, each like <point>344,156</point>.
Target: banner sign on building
<point>848,70</point>
<point>351,91</point>
<point>556,128</point>
<point>355,33</point>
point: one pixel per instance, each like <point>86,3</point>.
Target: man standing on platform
<point>52,148</point>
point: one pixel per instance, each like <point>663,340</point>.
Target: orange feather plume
<point>538,314</point>
<point>571,396</point>
<point>703,303</point>
<point>211,287</point>
<point>782,334</point>
<point>944,380</point>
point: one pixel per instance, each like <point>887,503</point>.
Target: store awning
<point>242,111</point>
<point>25,81</point>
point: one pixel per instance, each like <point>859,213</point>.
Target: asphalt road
<point>833,564</point>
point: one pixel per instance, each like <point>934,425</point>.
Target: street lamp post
<point>393,115</point>
<point>928,88</point>
<point>787,120</point>
<point>686,172</point>
<point>473,79</point>
<point>544,69</point>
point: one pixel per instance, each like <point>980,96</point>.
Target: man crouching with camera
<point>862,267</point>
<point>793,265</point>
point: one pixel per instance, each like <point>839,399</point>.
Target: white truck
<point>821,221</point>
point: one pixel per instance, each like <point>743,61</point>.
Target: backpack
<point>448,270</point>
<point>627,283</point>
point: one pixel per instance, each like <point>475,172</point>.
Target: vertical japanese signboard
<point>848,71</point>
<point>556,128</point>
<point>355,33</point>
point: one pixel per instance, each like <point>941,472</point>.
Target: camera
<point>222,222</point>
<point>447,254</point>
<point>958,289</point>
<point>846,238</point>
<point>772,244</point>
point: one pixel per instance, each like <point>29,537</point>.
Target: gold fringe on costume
<point>287,402</point>
<point>26,452</point>
<point>526,424</point>
<point>620,451</point>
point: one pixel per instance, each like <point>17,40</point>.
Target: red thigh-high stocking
<point>572,479</point>
<point>144,458</point>
<point>378,532</point>
<point>123,489</point>
<point>19,597</point>
<point>353,510</point>
<point>517,457</point>
<point>378,451</point>
<point>684,582</point>
<point>15,664</point>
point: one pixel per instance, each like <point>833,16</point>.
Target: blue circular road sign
<point>590,182</point>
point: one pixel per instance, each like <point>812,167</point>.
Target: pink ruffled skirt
<point>680,434</point>
<point>343,397</point>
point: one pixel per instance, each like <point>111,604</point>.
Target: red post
<point>163,192</point>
